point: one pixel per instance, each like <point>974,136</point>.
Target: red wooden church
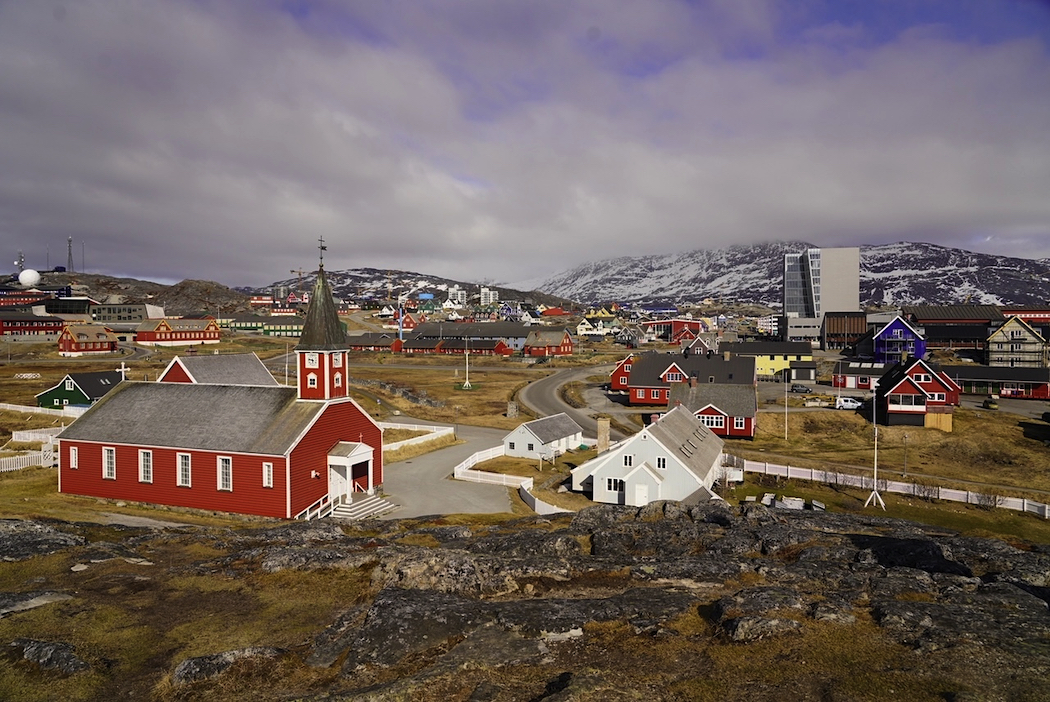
<point>261,449</point>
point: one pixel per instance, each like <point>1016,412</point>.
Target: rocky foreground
<point>613,603</point>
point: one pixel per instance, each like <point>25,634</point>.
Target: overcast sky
<point>492,140</point>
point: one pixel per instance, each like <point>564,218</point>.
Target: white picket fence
<point>463,472</point>
<point>30,435</point>
<point>56,412</point>
<point>46,458</point>
<point>899,487</point>
<point>433,432</point>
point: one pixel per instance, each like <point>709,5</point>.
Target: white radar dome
<point>28,277</point>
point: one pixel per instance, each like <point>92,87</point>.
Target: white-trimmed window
<point>713,421</point>
<point>337,360</point>
<point>938,397</point>
<point>510,445</point>
<point>311,380</point>
<point>628,460</point>
<point>145,466</point>
<point>531,447</point>
<point>74,459</point>
<point>109,463</point>
<point>661,462</point>
<point>640,394</point>
<point>337,381</point>
<point>69,384</point>
<point>614,485</point>
<point>739,422</point>
<point>184,471</point>
<point>224,473</point>
<point>267,470</point>
<point>674,377</point>
<point>312,360</point>
<point>654,394</point>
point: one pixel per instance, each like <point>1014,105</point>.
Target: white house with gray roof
<point>674,458</point>
<point>547,437</point>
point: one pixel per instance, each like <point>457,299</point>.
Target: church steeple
<point>322,347</point>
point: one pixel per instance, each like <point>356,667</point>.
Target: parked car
<point>990,403</point>
<point>795,387</point>
<point>848,403</point>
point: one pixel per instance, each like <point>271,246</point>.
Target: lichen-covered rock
<point>51,655</point>
<point>20,601</point>
<point>205,667</point>
<point>21,539</point>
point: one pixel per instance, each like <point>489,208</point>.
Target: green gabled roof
<point>322,330</point>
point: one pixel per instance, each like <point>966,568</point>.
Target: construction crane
<point>299,286</point>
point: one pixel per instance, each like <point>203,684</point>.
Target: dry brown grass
<point>485,404</point>
<point>995,448</point>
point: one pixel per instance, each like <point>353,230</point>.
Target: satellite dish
<point>28,278</point>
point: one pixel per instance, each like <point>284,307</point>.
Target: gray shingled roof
<point>696,446</point>
<point>322,330</point>
<point>647,368</point>
<point>473,330</point>
<point>227,369</point>
<point>765,348</point>
<point>554,427</point>
<point>733,399</point>
<point>934,313</point>
<point>234,418</point>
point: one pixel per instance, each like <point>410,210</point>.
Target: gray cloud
<point>501,140</point>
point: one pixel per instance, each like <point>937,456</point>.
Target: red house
<point>548,343</point>
<point>178,332</point>
<point>218,369</point>
<point>857,375</point>
<point>649,377</point>
<point>621,374</point>
<point>255,449</point>
<point>86,339</point>
<point>913,392</point>
<point>729,410</point>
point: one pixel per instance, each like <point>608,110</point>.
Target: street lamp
<point>785,405</point>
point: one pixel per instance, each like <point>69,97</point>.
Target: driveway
<point>422,485</point>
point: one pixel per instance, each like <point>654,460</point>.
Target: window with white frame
<point>655,394</point>
<point>674,377</point>
<point>69,384</point>
<point>640,394</point>
<point>337,381</point>
<point>713,421</point>
<point>530,447</point>
<point>628,460</point>
<point>510,445</point>
<point>224,473</point>
<point>73,458</point>
<point>267,470</point>
<point>183,464</point>
<point>312,360</point>
<point>661,462</point>
<point>739,422</point>
<point>938,397</point>
<point>311,380</point>
<point>109,463</point>
<point>614,485</point>
<point>145,466</point>
<point>337,360</point>
<point>922,377</point>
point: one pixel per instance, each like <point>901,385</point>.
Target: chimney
<point>692,381</point>
<point>653,419</point>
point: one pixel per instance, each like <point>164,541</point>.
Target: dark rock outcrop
<point>51,655</point>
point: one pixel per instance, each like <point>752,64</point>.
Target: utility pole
<point>875,496</point>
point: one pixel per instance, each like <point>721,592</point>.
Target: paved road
<point>422,485</point>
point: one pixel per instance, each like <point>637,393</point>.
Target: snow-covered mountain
<point>901,273</point>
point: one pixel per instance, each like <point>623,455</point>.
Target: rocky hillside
<point>185,298</point>
<point>613,603</point>
<point>902,273</point>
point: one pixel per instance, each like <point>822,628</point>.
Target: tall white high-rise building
<point>821,280</point>
<point>489,297</point>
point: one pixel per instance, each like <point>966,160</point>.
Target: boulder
<point>51,655</point>
<point>206,667</point>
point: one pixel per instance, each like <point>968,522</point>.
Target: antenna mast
<point>69,255</point>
